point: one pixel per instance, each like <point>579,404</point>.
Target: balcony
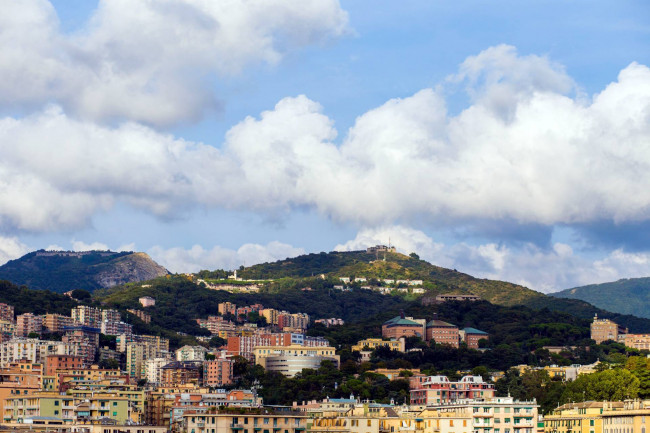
<point>236,426</point>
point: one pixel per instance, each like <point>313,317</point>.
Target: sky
<point>506,139</point>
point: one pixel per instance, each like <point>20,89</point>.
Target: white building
<point>191,353</point>
<point>153,369</point>
<point>33,350</point>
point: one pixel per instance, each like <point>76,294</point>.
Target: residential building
<point>85,338</point>
<point>87,316</point>
<point>605,329</point>
<point>443,333</point>
<point>217,325</point>
<point>56,322</point>
<point>7,330</point>
<point>496,415</point>
<point>109,327</point>
<point>227,308</point>
<point>201,421</point>
<point>28,323</point>
<point>585,417</point>
<point>191,353</point>
<point>147,301</point>
<point>373,343</point>
<point>153,369</point>
<point>146,318</point>
<point>630,416</point>
<point>6,312</point>
<point>178,373</point>
<point>33,350</point>
<point>637,341</point>
<point>53,363</point>
<point>218,372</point>
<point>440,390</point>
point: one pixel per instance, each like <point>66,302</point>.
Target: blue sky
<point>505,139</point>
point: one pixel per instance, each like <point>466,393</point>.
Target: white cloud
<point>406,240</point>
<point>545,270</point>
<point>11,248</point>
<point>179,259</point>
<point>150,61</point>
<point>554,160</point>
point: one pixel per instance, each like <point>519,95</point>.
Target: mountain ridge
<point>625,296</point>
<point>61,271</point>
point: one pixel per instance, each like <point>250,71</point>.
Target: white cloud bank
<point>539,269</point>
<point>523,151</point>
<point>149,60</point>
<point>197,258</point>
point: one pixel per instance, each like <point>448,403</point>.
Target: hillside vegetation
<point>396,266</point>
<point>626,296</point>
<point>61,271</point>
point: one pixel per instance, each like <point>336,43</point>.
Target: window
<point>56,402</point>
<point>369,423</point>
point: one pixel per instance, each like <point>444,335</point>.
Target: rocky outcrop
<point>129,269</point>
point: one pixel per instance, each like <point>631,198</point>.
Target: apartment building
<point>218,372</point>
<point>201,421</point>
<point>437,390</point>
<point>33,350</point>
<point>56,322</point>
<point>63,362</point>
<point>153,369</point>
<point>191,353</point>
<point>6,312</point>
<point>87,316</point>
<point>28,323</point>
<point>585,417</point>
<point>497,414</point>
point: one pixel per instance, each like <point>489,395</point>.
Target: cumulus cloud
<point>179,259</point>
<point>149,61</point>
<point>555,159</point>
<point>11,248</point>
<point>544,269</point>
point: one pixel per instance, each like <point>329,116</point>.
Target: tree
<point>613,385</point>
<point>217,342</point>
<point>414,256</point>
<point>81,295</point>
<point>33,335</point>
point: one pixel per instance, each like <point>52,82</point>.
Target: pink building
<point>218,372</point>
<point>439,390</point>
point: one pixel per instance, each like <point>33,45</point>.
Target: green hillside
<point>626,296</point>
<point>61,271</point>
<point>25,300</point>
<point>396,266</point>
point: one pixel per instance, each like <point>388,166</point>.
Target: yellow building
<point>136,398</point>
<point>377,418</point>
<point>604,329</point>
<point>373,343</point>
<point>632,417</point>
<point>251,422</point>
<point>67,408</point>
<point>585,417</point>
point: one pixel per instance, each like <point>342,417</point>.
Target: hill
<point>25,300</point>
<point>61,271</point>
<point>437,280</point>
<point>626,296</point>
